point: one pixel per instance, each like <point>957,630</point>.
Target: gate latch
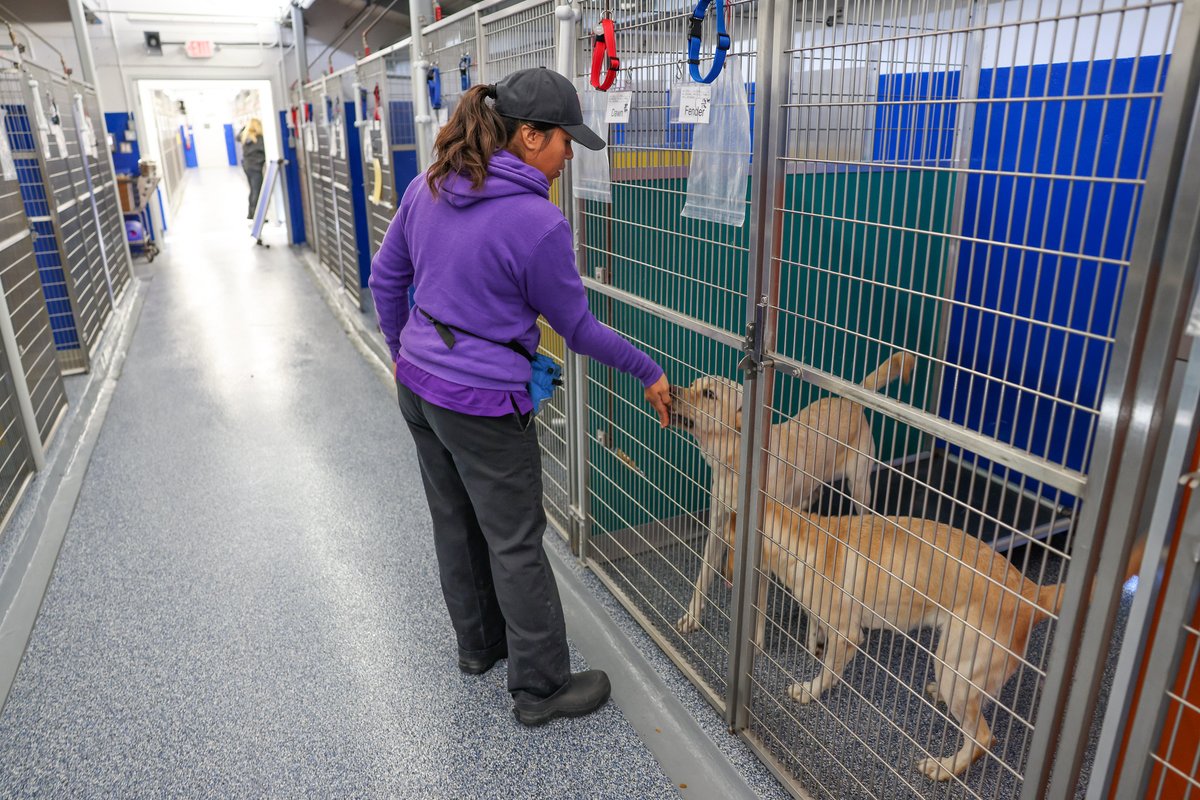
<point>753,362</point>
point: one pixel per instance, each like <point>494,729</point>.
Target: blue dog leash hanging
<point>695,23</point>
<point>434,79</point>
<point>464,71</point>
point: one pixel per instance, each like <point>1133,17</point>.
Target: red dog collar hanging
<point>604,49</point>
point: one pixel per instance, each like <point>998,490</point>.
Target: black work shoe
<point>583,694</point>
<point>479,663</point>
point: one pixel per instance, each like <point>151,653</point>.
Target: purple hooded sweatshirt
<point>487,261</point>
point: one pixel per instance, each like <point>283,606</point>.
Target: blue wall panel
<point>118,123</point>
<point>401,128</point>
<point>404,170</point>
<point>231,145</point>
<point>1054,358</point>
<point>362,240</point>
<point>189,146</point>
<point>915,117</point>
<point>291,182</point>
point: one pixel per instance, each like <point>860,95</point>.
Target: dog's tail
<point>899,366</point>
<point>1049,599</point>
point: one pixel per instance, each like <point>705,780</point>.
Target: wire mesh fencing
<point>320,138</point>
<point>890,357</point>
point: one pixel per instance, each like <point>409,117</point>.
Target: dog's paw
<point>687,624</point>
<point>802,692</point>
<point>936,768</point>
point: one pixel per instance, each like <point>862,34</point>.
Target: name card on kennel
<point>695,104</point>
<point>618,108</point>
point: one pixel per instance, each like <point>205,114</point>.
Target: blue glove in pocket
<point>546,376</point>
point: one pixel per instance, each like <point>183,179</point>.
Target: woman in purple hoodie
<point>487,253</point>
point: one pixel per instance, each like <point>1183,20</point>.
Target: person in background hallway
<point>488,252</point>
<point>254,158</point>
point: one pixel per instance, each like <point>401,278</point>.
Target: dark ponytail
<point>467,142</point>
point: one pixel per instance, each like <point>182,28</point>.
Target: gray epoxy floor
<point>246,601</point>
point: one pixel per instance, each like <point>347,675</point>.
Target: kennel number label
<point>619,106</point>
<point>695,104</point>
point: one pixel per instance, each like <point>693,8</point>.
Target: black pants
<point>256,181</point>
<point>483,480</point>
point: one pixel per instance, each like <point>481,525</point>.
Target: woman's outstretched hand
<point>659,396</point>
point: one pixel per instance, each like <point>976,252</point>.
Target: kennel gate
<point>106,206</point>
<point>385,80</point>
<point>27,314</point>
<point>328,161</point>
<point>523,36</point>
<point>678,289</point>
<point>85,252</point>
<point>961,181</point>
<point>316,162</point>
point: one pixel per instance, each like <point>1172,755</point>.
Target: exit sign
<point>199,48</point>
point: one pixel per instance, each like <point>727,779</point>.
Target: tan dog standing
<point>827,440</point>
<point>901,573</point>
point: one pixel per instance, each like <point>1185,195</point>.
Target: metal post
<point>481,66</point>
<point>1162,666</point>
<point>567,16</point>
<point>770,135</point>
<point>1160,283</point>
<point>420,12</point>
<point>301,44</point>
<point>575,365</point>
<point>87,63</point>
<point>1133,649</point>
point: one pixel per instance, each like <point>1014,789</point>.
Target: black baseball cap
<point>542,95</point>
